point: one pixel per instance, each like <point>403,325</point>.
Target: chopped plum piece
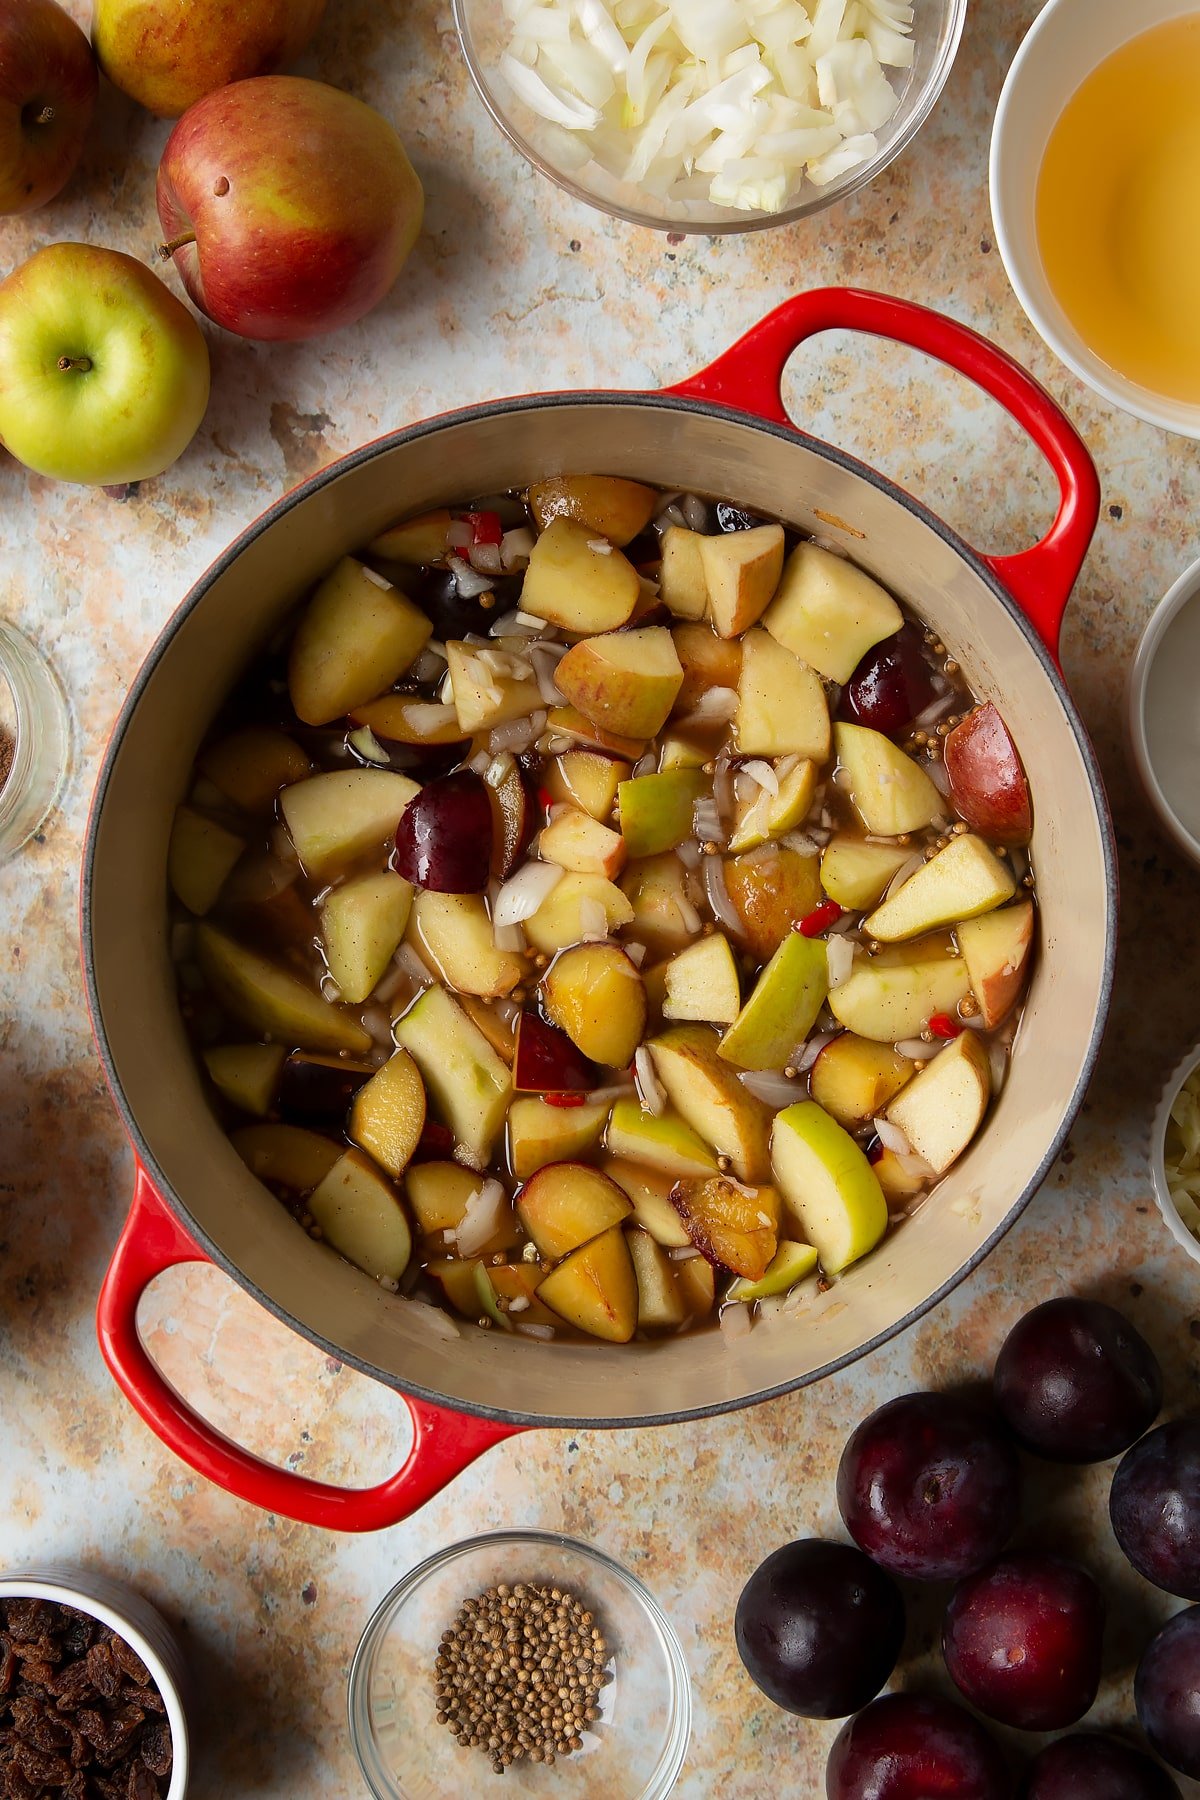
<point>444,841</point>
<point>891,685</point>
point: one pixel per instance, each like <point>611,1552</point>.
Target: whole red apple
<point>288,206</point>
<point>48,85</point>
<point>167,56</point>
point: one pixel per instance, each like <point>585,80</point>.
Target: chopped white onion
<point>469,582</point>
<point>772,1087</point>
<point>593,921</point>
<point>516,547</point>
<point>763,774</point>
<point>997,1065</point>
<point>807,1056</point>
<point>636,954</point>
<point>804,843</point>
<point>714,707</point>
<point>689,853</point>
<point>891,1137</point>
<point>368,745</point>
<point>544,1332</point>
<point>606,1096</point>
<point>486,558</point>
<point>936,710</point>
<point>482,1218</point>
<point>907,869</point>
<point>936,771</point>
<point>918,1050</point>
<point>524,892</point>
<point>687,912</point>
<point>651,1092</point>
<point>717,895</point>
<point>509,938</point>
<point>460,535</point>
<point>683,1253</point>
<point>839,953</point>
<point>545,659</point>
<point>514,734</point>
<point>706,820</point>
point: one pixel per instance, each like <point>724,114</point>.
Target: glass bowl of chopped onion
<point>1175,1153</point>
<point>710,116</point>
<point>401,1692</point>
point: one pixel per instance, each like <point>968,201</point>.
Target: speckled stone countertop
<point>511,287</point>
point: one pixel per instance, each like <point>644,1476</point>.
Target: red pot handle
<point>444,1442</point>
<point>749,375</point>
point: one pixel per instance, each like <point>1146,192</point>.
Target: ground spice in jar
<point>519,1673</point>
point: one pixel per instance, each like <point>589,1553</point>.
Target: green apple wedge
<point>790,1264</point>
<point>465,1077</point>
<point>889,1001</point>
<point>782,708</point>
<point>828,1185</point>
<point>711,1099</point>
<point>650,1191</point>
<point>539,1133</point>
<point>388,1114</point>
<point>355,638</point>
<point>891,793</point>
<point>855,873</point>
<point>200,858</point>
<point>362,1217</point>
<point>829,612</point>
<point>337,817</point>
<point>660,1304</point>
<point>362,925</point>
<point>246,1074</point>
<point>104,374</point>
<point>962,881</point>
<point>942,1108</point>
<point>275,1002</point>
<point>781,1011</point>
<point>656,810</point>
<point>661,1141</point>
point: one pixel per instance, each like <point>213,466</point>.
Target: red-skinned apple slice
<point>987,782</point>
<point>444,840</point>
<point>547,1062</point>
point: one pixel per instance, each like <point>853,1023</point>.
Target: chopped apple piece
<point>782,708</point>
<point>889,1001</point>
<point>360,1214</point>
<point>855,874</point>
<point>711,1099</point>
<point>453,933</point>
<point>362,925</point>
<point>783,1008</point>
<point>960,882</point>
<point>271,999</point>
<point>587,779</point>
<point>941,1109</point>
<point>901,1177</point>
<point>996,950</point>
<point>607,505</point>
<point>576,841</point>
<point>388,1114</point>
<point>661,915</point>
<point>439,1193</point>
<point>337,818</point>
<point>568,721</point>
<point>660,1304</point>
<point>702,982</point>
<point>828,1184</point>
<point>458,1282</point>
<point>661,1140</point>
<point>286,1156</point>
<point>790,1264</point>
<point>578,581</point>
<point>567,1204</point>
<point>696,1280</point>
<point>681,580</point>
<point>830,613</point>
<point>595,994</point>
<point>483,697</point>
<point>625,681</point>
<point>563,917</point>
<point>414,541</point>
<point>650,1192</point>
<point>500,1034</point>
<point>252,764</point>
<point>891,793</point>
<point>200,859</point>
<point>769,889</point>
<point>708,662</point>
<point>515,1287</point>
<point>596,1289</point>
<point>402,720</point>
<point>656,810</point>
<point>681,753</point>
<point>741,573</point>
<point>770,815</point>
<point>735,1227</point>
<point>987,782</point>
<point>468,1081</point>
<point>539,1133</point>
<point>854,1078</point>
<point>356,636</point>
<point>246,1074</point>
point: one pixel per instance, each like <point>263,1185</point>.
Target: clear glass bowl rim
<point>359,1701</point>
<point>923,104</point>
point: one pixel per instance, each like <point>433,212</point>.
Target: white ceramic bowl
<point>1158,1169</point>
<point>1162,716</point>
<point>1067,41</point>
<point>143,1628</point>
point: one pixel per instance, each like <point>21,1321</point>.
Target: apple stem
<point>167,251</point>
<point>81,363</point>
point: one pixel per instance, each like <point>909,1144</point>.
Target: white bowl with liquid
<point>1068,40</point>
<point>1163,711</point>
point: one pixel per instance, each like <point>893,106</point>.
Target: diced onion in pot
<point>593,921</point>
<point>917,1050</point>
<point>469,582</point>
<point>516,547</point>
<point>525,891</point>
<point>482,1218</point>
<point>891,1137</point>
<point>813,1048</point>
<point>763,774</point>
<point>651,1092</point>
<point>772,1087</point>
<point>936,771</point>
<point>717,894</point>
<point>544,1332</point>
<point>839,952</point>
<point>714,707</point>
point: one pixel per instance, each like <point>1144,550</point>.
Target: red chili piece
<point>943,1026</point>
<point>565,1099</point>
<point>545,799</point>
<point>820,918</point>
<point>485,526</point>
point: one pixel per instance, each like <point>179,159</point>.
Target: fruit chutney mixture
<point>602,910</point>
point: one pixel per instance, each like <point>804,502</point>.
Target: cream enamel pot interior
<point>725,432</point>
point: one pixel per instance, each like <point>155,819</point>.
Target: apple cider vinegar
<point>1118,210</point>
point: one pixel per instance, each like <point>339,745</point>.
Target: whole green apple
<point>103,372</point>
<point>167,54</point>
<point>48,85</point>
<point>288,206</point>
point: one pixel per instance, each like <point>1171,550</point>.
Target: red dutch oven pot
<point>723,432</point>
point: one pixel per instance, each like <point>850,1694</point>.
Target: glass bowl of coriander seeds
<point>520,1654</point>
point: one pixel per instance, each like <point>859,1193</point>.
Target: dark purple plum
<point>1166,1692</point>
<point>318,1090</point>
<point>890,686</point>
<point>929,1486</point>
<point>1089,1765</point>
<point>1154,1505</point>
<point>546,1061</point>
<point>913,1747</point>
<point>444,839</point>
<point>819,1628</point>
<point>1023,1639</point>
<point>1075,1382</point>
<point>454,616</point>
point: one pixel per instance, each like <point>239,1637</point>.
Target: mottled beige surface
<point>513,288</point>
